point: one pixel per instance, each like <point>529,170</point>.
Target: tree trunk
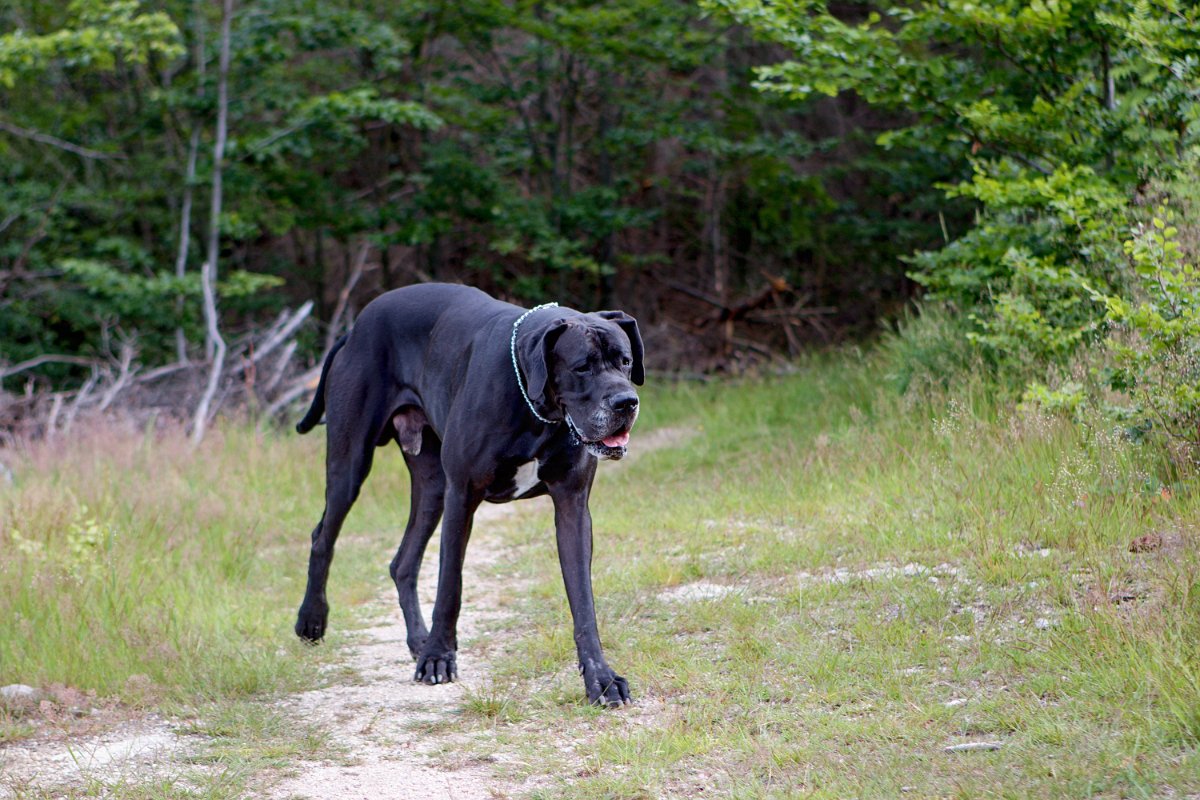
<point>185,224</point>
<point>185,214</point>
<point>208,274</point>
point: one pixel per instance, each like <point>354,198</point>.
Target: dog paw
<point>605,687</point>
<point>436,667</point>
<point>310,623</point>
<point>415,644</point>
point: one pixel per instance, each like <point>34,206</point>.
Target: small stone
<point>956,702</point>
<point>695,592</point>
<point>18,696</point>
<point>971,747</point>
<point>1041,623</point>
<point>19,691</point>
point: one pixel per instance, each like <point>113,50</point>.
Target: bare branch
<point>54,141</point>
<point>52,419</point>
<point>164,371</point>
<point>283,333</point>
<point>305,383</point>
<point>185,225</point>
<point>285,358</point>
<point>37,361</point>
<point>335,324</point>
<point>80,397</point>
<point>123,376</point>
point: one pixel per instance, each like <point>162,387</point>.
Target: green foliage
<point>90,216</point>
<point>929,351</point>
<point>580,150</point>
<point>103,34</point>
<point>1061,110</point>
<point>1156,343</point>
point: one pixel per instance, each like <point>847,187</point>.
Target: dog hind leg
<point>426,503</point>
<point>346,469</point>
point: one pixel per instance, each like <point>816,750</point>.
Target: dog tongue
<point>617,440</point>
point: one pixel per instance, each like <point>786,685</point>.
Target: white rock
<point>19,694</point>
<point>695,592</point>
<point>971,747</point>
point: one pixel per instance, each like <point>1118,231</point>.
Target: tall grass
<point>140,570</point>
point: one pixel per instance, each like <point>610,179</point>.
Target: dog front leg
<point>436,661</point>
<point>573,530</point>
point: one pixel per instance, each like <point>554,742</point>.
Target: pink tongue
<point>619,440</point>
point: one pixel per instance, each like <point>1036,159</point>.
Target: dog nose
<point>624,402</point>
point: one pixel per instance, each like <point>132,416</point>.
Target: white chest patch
<point>526,477</point>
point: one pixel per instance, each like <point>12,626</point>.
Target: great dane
<point>487,401</point>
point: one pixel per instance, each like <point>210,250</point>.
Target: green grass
<point>829,670</point>
<point>139,575</point>
<point>903,573</point>
<point>171,575</point>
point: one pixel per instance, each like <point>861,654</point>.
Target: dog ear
<point>629,325</point>
<point>538,352</point>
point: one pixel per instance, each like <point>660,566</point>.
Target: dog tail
<point>317,409</point>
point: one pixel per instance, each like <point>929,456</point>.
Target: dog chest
<point>514,481</point>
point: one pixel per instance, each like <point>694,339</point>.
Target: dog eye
<point>582,369</point>
<point>626,361</point>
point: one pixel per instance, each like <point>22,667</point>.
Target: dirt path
<point>136,749</point>
<point>379,720</point>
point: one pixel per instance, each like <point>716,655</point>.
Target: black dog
<point>487,401</point>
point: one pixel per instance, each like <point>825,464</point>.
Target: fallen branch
<point>305,383</point>
<point>37,361</point>
<point>281,365</point>
<point>282,331</point>
<point>80,397</point>
<point>52,418</point>
<point>122,378</point>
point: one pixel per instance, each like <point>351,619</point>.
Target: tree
<point>1063,112</point>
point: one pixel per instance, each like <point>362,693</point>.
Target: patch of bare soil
<point>379,721</point>
<point>135,749</point>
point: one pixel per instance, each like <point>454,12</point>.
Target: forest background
<point>747,178</point>
<point>937,537</point>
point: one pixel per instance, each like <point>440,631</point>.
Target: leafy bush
<point>1156,336</point>
<point>1063,112</point>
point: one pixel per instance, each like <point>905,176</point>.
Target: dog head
<point>583,369</point>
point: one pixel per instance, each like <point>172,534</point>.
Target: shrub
<point>1155,339</point>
